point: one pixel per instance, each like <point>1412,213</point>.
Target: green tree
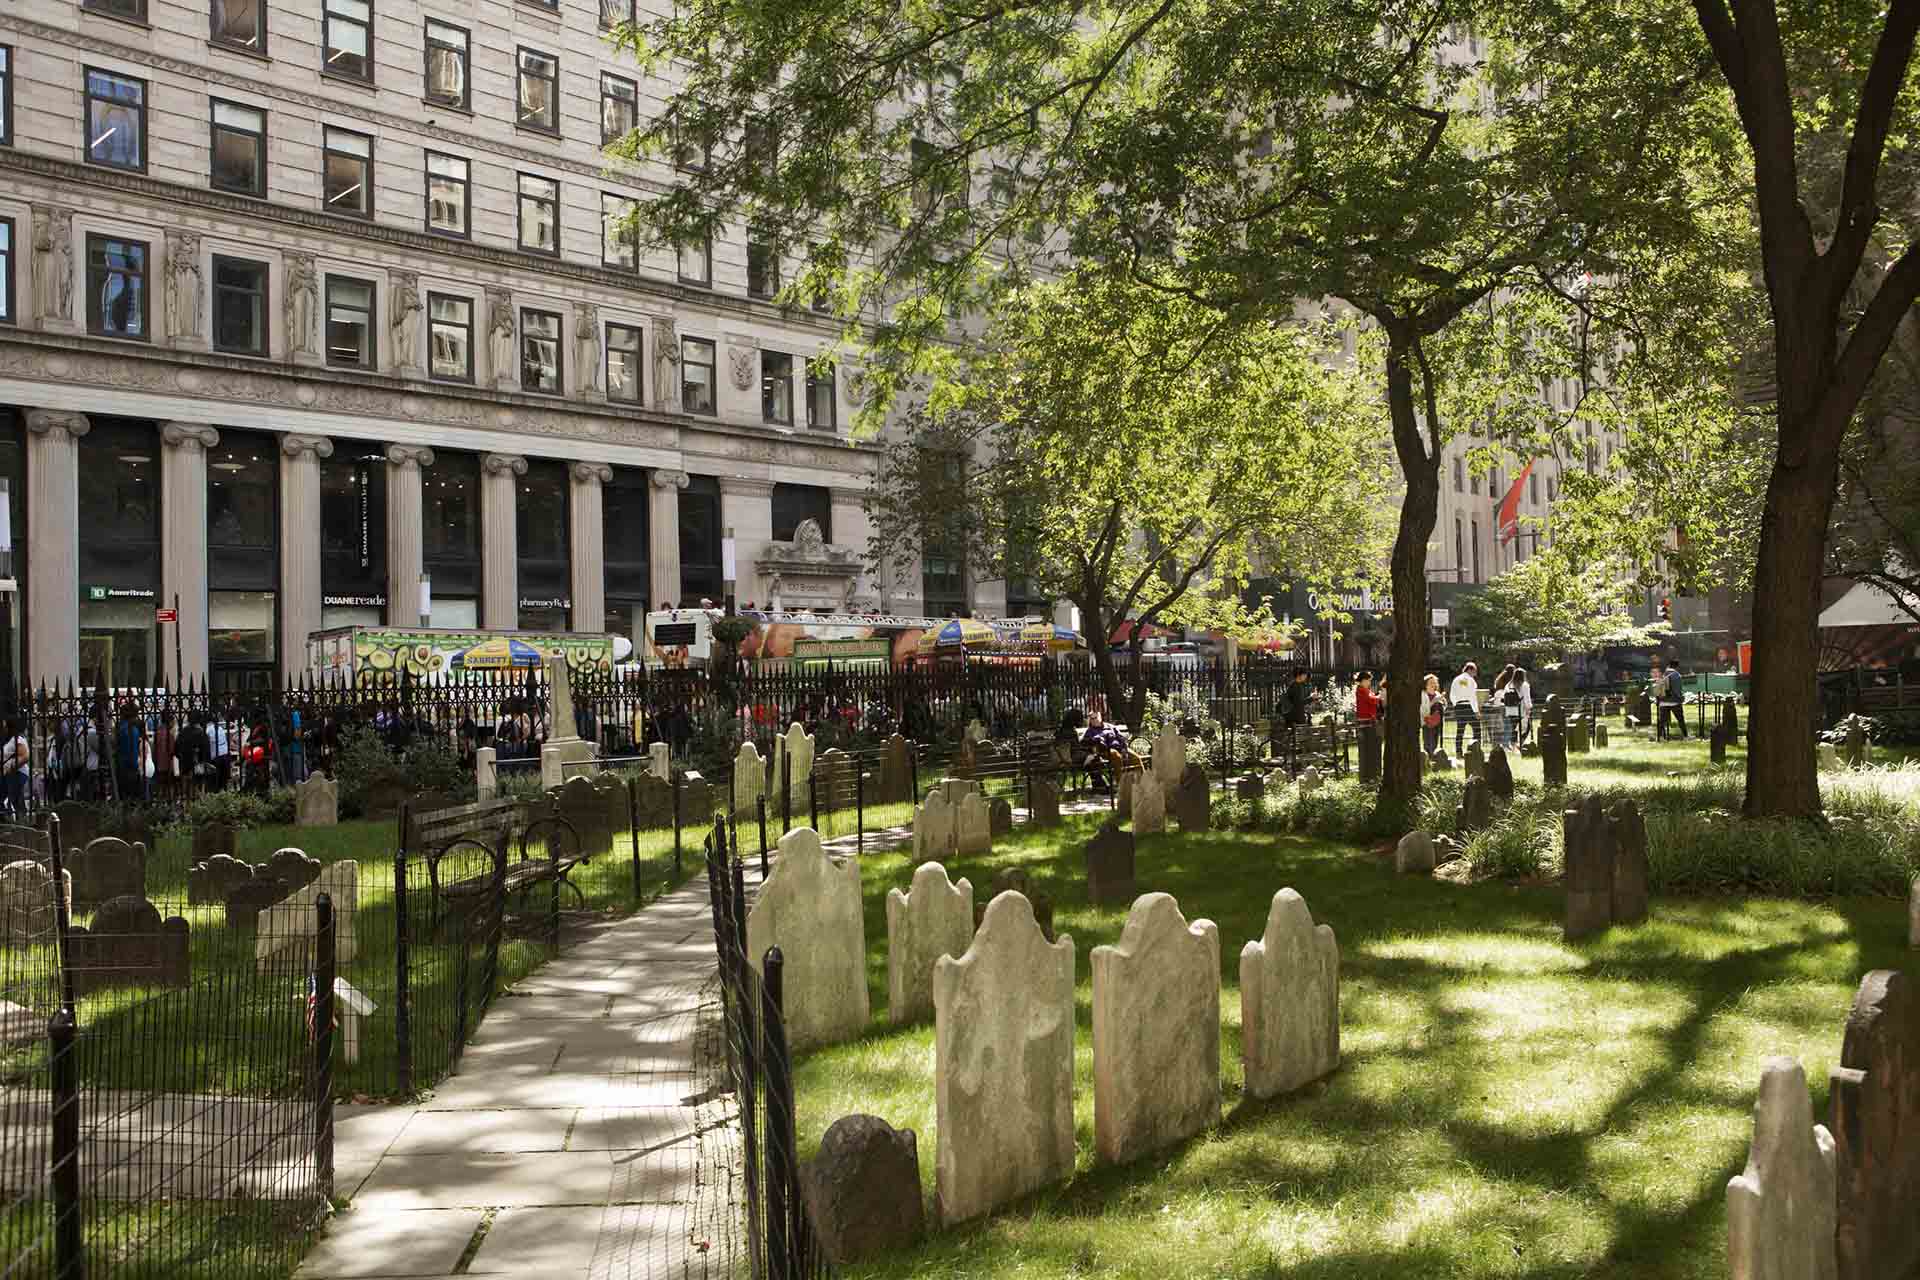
<point>1133,453</point>
<point>1243,155</point>
<point>1550,605</point>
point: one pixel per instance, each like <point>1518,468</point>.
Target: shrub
<point>428,764</point>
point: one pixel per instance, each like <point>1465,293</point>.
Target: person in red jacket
<point>1366,703</point>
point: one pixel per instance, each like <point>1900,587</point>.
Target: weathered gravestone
<point>1717,744</point>
<point>579,804</point>
<point>384,798</point>
<point>1046,803</point>
<point>1606,866</point>
<point>128,944</point>
<point>79,824</point>
<point>1250,787</point>
<point>108,867</point>
<point>749,781</point>
<point>1476,806</point>
<point>616,812</point>
<point>1156,1032</point>
<point>214,838</point>
<point>1123,803</point>
<point>933,918</point>
<point>862,1190</point>
<point>653,803</point>
<point>1110,866</point>
<point>1579,735</point>
<point>936,832</point>
<point>833,780</point>
<point>1014,880</point>
<point>953,789</point>
<point>1000,817</point>
<point>1553,744</point>
<point>973,825</point>
<point>1599,734</point>
<point>1003,1064</point>
<point>1193,800</point>
<point>1780,1212</point>
<point>284,934</point>
<point>1500,775</point>
<point>27,903</point>
<point>293,867</point>
<point>660,760</point>
<point>793,764</point>
<point>810,908</point>
<point>316,802</point>
<point>245,902</point>
<point>1309,780</point>
<point>1149,806</point>
<point>1475,761</point>
<point>1169,758</point>
<point>895,783</point>
<point>1830,757</point>
<point>1874,1116</point>
<point>1855,751</point>
<point>1414,855</point>
<point>1440,760</point>
<point>696,799</point>
<point>486,774</point>
<point>1289,1000</point>
<point>211,881</point>
<point>1369,738</point>
<point>1730,716</point>
<point>28,844</point>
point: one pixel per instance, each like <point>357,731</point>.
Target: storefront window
<point>240,628</point>
<point>353,535</point>
<point>540,516</point>
<point>119,536</point>
<point>450,536</point>
<point>13,557</point>
<point>243,551</point>
<point>623,532</point>
<point>700,542</point>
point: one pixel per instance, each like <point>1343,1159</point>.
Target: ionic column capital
<point>409,455</point>
<point>669,479</point>
<point>189,436</point>
<point>591,473</point>
<point>498,463</point>
<point>46,421</point>
<point>293,446</point>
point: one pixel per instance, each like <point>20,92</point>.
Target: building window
<point>450,538</point>
<point>822,299</point>
<point>131,10</point>
<point>116,120</point>
<point>619,107</point>
<point>793,503</point>
<point>776,387</point>
<point>696,376</point>
<point>117,287</point>
<point>620,233</point>
<point>239,149</point>
<point>350,311</point>
<point>6,95</point>
<point>448,194</point>
<point>696,263</point>
<point>615,13</point>
<point>1001,187</point>
<point>539,214</point>
<point>542,539</point>
<point>1533,489</point>
<point>446,64</point>
<point>539,97</point>
<point>540,352</point>
<point>347,173</point>
<point>450,335</point>
<point>943,580</point>
<point>823,401</point>
<point>691,151</point>
<point>1476,551</point>
<point>700,538</point>
<point>623,363</point>
<point>626,514</point>
<point>240,23</point>
<point>1459,476</point>
<point>346,33</point>
<point>763,264</point>
<point>353,536</point>
<point>1473,482</point>
<point>6,271</point>
<point>544,4</point>
<point>239,306</point>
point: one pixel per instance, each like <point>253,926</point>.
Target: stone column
<point>404,563</point>
<point>588,550</point>
<point>183,546</point>
<point>299,545</point>
<point>746,507</point>
<point>663,529</point>
<point>499,541</point>
<point>53,543</point>
<point>851,529</point>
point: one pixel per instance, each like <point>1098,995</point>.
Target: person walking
<point>1519,706</point>
<point>1433,714</point>
<point>15,761</point>
<point>1464,695</point>
<point>1298,694</point>
<point>1366,703</point>
<point>1496,700</point>
<point>1673,700</point>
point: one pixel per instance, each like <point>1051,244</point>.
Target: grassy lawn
<point>1507,1104</point>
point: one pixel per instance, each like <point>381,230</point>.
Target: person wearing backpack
<point>1673,700</point>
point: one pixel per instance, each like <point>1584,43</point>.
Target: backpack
<point>1676,687</point>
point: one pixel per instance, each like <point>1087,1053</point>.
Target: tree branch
<point>1859,210</point>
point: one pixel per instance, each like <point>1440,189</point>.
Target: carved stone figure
<point>500,334</point>
<point>666,364</point>
<point>586,339</point>
<point>740,364</point>
<point>403,304</point>
<point>856,387</point>
<point>302,304</point>
<point>53,263</point>
<point>183,285</point>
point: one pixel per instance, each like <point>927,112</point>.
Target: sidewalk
<point>577,1137</point>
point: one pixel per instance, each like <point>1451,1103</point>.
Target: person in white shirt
<point>1464,694</point>
<point>1433,714</point>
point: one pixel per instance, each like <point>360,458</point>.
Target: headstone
<point>1123,803</point>
<point>1156,1032</point>
<point>1855,751</point>
<point>1600,735</point>
<point>578,803</point>
<point>1579,737</point>
<point>293,867</point>
<point>1046,803</point>
<point>936,832</point>
<point>1476,806</point>
<point>793,761</point>
<point>833,780</point>
<point>384,798</point>
<point>896,771</point>
<point>1874,1116</point>
<point>1414,855</point>
<point>1000,817</point>
<point>1110,866</point>
<point>284,934</point>
<point>28,844</point>
<point>973,825</point>
<point>934,918</point>
<point>211,881</point>
<point>810,908</point>
<point>212,838</point>
<point>1309,780</point>
<point>316,802</point>
<point>1369,739</point>
<point>1149,805</point>
<point>1607,871</point>
<point>1717,744</point>
<point>1003,1064</point>
<point>1830,757</point>
<point>1730,716</point>
<point>660,760</point>
<point>1169,758</point>
<point>696,799</point>
<point>79,823</point>
<point>27,904</point>
<point>1193,800</point>
<point>1553,744</point>
<point>1476,761</point>
<point>653,803</point>
<point>1780,1212</point>
<point>486,774</point>
<point>1500,775</point>
<point>616,802</point>
<point>128,944</point>
<point>749,781</point>
<point>1441,760</point>
<point>953,789</point>
<point>1289,1000</point>
<point>862,1191</point>
<point>108,867</point>
<point>964,758</point>
<point>1632,869</point>
<point>1250,787</point>
<point>245,902</point>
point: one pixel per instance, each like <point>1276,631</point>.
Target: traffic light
<point>1666,608</point>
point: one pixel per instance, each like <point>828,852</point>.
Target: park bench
<point>1294,747</point>
<point>495,826</point>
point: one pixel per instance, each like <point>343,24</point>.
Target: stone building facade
<point>307,303</point>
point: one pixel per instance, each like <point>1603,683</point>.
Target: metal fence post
<point>913,765</point>
<point>62,912</point>
<point>763,835</point>
<point>402,995</point>
<point>324,971</point>
<point>782,1180</point>
<point>69,1235</point>
<point>813,798</point>
<point>678,782</point>
<point>859,809</point>
<point>786,792</point>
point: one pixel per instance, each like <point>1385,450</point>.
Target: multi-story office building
<point>305,303</point>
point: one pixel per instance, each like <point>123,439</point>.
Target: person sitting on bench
<point>1101,741</point>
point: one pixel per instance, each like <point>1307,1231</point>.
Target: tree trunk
<point>1094,622</point>
<point>1407,659</point>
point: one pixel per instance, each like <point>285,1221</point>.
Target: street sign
<point>166,615</point>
